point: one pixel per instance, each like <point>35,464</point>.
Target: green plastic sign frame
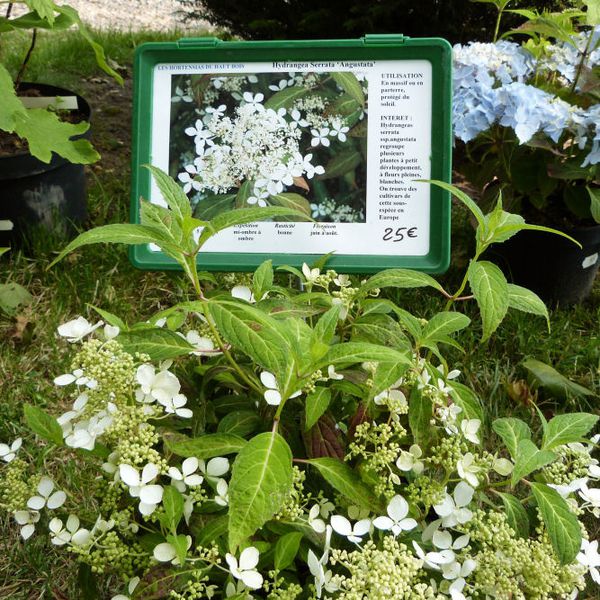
<point>388,54</point>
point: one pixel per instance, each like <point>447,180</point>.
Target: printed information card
<point>342,142</point>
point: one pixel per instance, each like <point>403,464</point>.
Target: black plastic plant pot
<point>49,198</point>
<point>553,267</point>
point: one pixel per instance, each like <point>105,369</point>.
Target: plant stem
<point>584,55</point>
<point>27,57</point>
<point>8,10</point>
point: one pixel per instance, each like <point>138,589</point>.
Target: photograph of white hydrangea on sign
<point>296,139</point>
<point>342,132</point>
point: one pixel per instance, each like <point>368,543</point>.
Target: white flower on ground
<point>243,292</point>
<point>27,520</point>
<point>140,486</point>
<point>409,461</point>
<point>133,583</point>
<point>469,428</point>
<point>589,557</point>
<point>46,497</point>
<point>166,552</point>
<point>272,394</point>
<point>355,533</point>
<point>62,534</point>
<point>396,520</point>
<point>468,470</point>
<point>175,405</point>
<point>222,497</point>
<point>322,577</point>
<point>76,329</point>
<point>161,386</point>
<point>453,509</point>
<point>245,569</point>
<point>9,453</point>
<point>187,476</point>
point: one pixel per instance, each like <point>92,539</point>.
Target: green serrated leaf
<point>158,343</point>
<point>240,422</point>
<point>516,515</point>
<point>317,403</point>
<point>562,525</point>
<point>420,413</point>
<point>346,481</point>
<point>551,380</point>
<point>46,134</point>
<point>10,105</point>
<point>399,278</point>
<point>594,194</point>
<point>110,318</point>
<point>326,325</point>
<point>342,163</point>
<point>261,481</point>
<point>205,446</point>
<point>172,193</point>
<point>350,84</point>
<point>206,532</point>
<point>353,352</point>
<point>525,300</point>
<point>529,459</point>
<point>286,549</point>
<point>253,332</point>
<point>43,424</point>
<point>490,288</point>
<point>569,428</point>
<point>262,280</point>
<point>512,431</point>
<point>468,400</point>
<point>460,195</point>
<point>172,502</point>
<point>444,323</point>
<point>118,233</point>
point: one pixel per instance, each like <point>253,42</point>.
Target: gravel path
<point>134,15</point>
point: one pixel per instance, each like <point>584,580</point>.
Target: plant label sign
<point>343,132</point>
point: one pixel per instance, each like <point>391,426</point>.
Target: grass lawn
<point>30,356</point>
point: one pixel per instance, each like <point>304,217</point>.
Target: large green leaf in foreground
<point>261,481</point>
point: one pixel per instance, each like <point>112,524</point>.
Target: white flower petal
<point>36,503</point>
<point>249,558</point>
<point>129,475</point>
<point>151,494</point>
<point>164,552</point>
<point>273,397</point>
<point>81,537</point>
<point>56,500</point>
<point>217,466</point>
<point>341,525</point>
<point>149,472</point>
<point>383,523</point>
<point>253,579</point>
<point>268,380</point>
<point>397,508</point>
<point>27,531</point>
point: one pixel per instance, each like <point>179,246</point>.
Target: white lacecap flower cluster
<point>256,144</point>
<point>492,86</point>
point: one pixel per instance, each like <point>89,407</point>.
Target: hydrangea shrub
<point>261,441</point>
